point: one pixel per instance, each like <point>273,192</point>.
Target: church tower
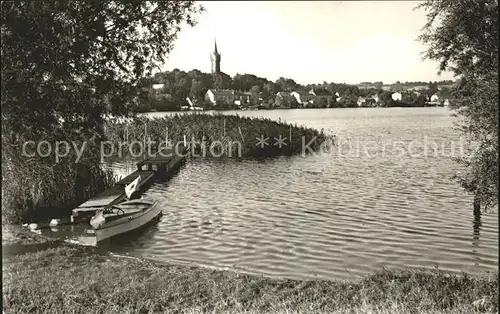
<point>215,58</point>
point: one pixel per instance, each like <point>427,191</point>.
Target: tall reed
<point>38,188</point>
<point>228,130</point>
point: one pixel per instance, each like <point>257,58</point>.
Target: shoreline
<point>270,109</point>
<point>65,278</point>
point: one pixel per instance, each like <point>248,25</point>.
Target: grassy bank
<point>206,129</point>
<point>70,279</point>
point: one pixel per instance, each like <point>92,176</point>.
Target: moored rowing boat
<point>123,218</point>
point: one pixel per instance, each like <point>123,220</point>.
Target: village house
<point>434,100</point>
<point>366,102</point>
<point>214,96</point>
<point>227,96</point>
<point>191,105</point>
<point>397,96</point>
<point>243,98</point>
<point>283,98</point>
<point>337,96</point>
<point>361,101</point>
<point>303,98</point>
<point>321,93</point>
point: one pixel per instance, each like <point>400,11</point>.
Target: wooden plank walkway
<point>165,161</point>
<point>104,198</point>
<point>162,157</point>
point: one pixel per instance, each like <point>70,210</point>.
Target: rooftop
<point>223,92</point>
<point>321,92</point>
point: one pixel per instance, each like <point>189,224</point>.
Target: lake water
<point>381,199</point>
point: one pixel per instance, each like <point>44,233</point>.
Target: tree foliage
<point>66,65</point>
<point>78,60</point>
<point>463,36</point>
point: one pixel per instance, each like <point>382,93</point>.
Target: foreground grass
<point>70,279</point>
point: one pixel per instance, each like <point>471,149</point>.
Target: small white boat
<point>123,217</point>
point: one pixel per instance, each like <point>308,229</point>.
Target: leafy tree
<point>287,84</point>
<point>197,89</point>
<point>378,85</point>
<point>294,103</point>
<point>244,82</point>
<point>271,100</point>
<point>463,36</point>
<point>67,59</point>
<point>350,101</point>
<point>279,101</point>
<point>385,98</point>
<point>397,87</point>
<point>268,90</point>
<point>432,88</point>
<point>445,92</point>
<point>66,65</point>
<point>322,102</point>
<point>181,88</point>
<point>255,90</point>
<point>420,101</point>
<point>222,81</point>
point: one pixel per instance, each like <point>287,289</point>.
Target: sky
<point>309,41</point>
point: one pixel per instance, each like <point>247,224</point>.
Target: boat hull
<point>127,223</point>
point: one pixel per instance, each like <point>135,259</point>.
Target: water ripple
<point>325,216</point>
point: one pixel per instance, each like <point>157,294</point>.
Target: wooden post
<point>477,206</point>
<point>145,132</point>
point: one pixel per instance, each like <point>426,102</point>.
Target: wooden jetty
<point>163,163</point>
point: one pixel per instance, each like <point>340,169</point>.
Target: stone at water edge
<point>36,226</point>
<point>33,226</point>
<point>58,222</point>
<point>54,222</point>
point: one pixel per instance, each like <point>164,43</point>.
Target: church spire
<point>215,59</point>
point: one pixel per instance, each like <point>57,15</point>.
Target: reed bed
<point>226,135</point>
<point>39,188</point>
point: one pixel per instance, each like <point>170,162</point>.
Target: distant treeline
<point>410,84</point>
<point>178,85</point>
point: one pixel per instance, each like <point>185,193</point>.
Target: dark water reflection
<point>328,216</point>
